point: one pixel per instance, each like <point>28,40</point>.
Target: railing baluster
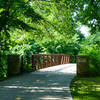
<point>66,59</point>
<point>22,64</point>
<point>69,59</point>
<point>32,61</point>
<point>54,60</point>
<point>44,61</point>
<point>62,60</point>
<point>51,60</point>
<point>57,59</point>
<point>40,61</point>
<point>47,61</point>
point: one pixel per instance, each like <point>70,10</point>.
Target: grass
<point>85,88</point>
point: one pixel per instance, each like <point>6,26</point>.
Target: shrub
<point>3,64</point>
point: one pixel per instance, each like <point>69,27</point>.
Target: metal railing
<point>39,61</point>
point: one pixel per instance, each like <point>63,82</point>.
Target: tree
<point>24,21</point>
<point>89,14</point>
<point>15,14</point>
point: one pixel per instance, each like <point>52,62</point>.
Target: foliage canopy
<point>47,26</point>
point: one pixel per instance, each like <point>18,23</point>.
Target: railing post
<point>33,62</point>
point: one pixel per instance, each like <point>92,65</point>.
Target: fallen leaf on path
<point>18,98</point>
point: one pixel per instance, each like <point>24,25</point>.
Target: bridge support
<point>13,65</point>
<point>83,66</point>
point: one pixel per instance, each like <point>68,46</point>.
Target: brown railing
<point>39,61</point>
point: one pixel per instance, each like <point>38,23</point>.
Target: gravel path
<point>46,84</point>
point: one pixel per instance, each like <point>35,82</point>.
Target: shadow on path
<point>46,84</point>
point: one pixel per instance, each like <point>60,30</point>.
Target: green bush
<point>3,65</point>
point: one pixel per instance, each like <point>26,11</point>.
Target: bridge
<point>49,81</point>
